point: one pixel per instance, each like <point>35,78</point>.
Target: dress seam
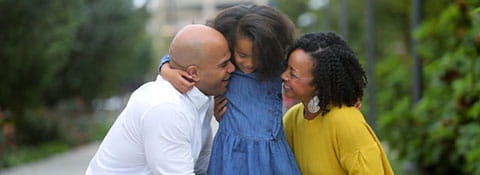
<point>248,137</point>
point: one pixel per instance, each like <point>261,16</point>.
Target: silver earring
<point>313,105</point>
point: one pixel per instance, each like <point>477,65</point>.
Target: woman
<point>327,134</point>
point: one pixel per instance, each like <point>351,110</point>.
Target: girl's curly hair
<point>270,31</point>
<point>339,78</point>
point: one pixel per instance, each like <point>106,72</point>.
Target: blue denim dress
<point>250,139</point>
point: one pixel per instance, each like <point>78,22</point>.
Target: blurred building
<point>170,15</point>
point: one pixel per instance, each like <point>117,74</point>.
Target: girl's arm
<point>180,79</point>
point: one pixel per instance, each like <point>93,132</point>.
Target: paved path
<point>74,162</point>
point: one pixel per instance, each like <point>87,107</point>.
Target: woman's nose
<point>283,76</point>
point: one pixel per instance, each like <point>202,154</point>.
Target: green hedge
<point>53,132</point>
<point>441,133</point>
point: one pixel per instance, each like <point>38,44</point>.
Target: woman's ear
<point>193,70</point>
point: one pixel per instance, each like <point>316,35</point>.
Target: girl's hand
<point>180,79</point>
<point>220,107</point>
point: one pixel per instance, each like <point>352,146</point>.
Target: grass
<point>73,132</point>
<point>25,154</point>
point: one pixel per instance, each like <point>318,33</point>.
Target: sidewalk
<point>74,162</point>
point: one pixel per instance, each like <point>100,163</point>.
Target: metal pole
<point>344,19</point>
<point>328,21</point>
<point>417,65</point>
<point>208,9</point>
<point>371,62</point>
<point>171,12</point>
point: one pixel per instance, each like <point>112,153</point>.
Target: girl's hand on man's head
<point>181,80</point>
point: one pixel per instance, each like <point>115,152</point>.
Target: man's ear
<point>194,71</point>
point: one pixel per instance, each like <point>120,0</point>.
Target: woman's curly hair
<point>339,78</point>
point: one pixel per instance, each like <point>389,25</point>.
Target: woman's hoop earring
<point>313,105</point>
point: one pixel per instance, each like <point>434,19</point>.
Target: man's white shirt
<point>160,131</point>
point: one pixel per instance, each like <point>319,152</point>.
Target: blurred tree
<point>109,55</point>
<point>35,39</point>
<point>441,133</point>
<point>53,50</point>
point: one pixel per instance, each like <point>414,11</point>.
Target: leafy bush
<point>56,52</point>
<point>55,131</point>
<point>53,51</point>
<point>30,153</point>
<point>441,133</point>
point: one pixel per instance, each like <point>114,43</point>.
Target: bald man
<point>162,131</point>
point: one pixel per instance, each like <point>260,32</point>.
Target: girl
<point>250,138</point>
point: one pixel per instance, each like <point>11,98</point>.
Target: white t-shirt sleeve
<point>167,137</point>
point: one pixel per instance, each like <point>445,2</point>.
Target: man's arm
<point>167,137</point>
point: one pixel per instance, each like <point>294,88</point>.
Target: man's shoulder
<point>159,98</point>
<point>159,91</point>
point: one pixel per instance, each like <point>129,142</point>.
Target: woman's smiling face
<point>298,76</point>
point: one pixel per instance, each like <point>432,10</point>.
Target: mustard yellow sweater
<point>341,142</point>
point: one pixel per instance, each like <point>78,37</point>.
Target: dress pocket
<point>239,157</point>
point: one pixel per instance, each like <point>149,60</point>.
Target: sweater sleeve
<point>360,151</point>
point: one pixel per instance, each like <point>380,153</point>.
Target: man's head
<point>202,52</point>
